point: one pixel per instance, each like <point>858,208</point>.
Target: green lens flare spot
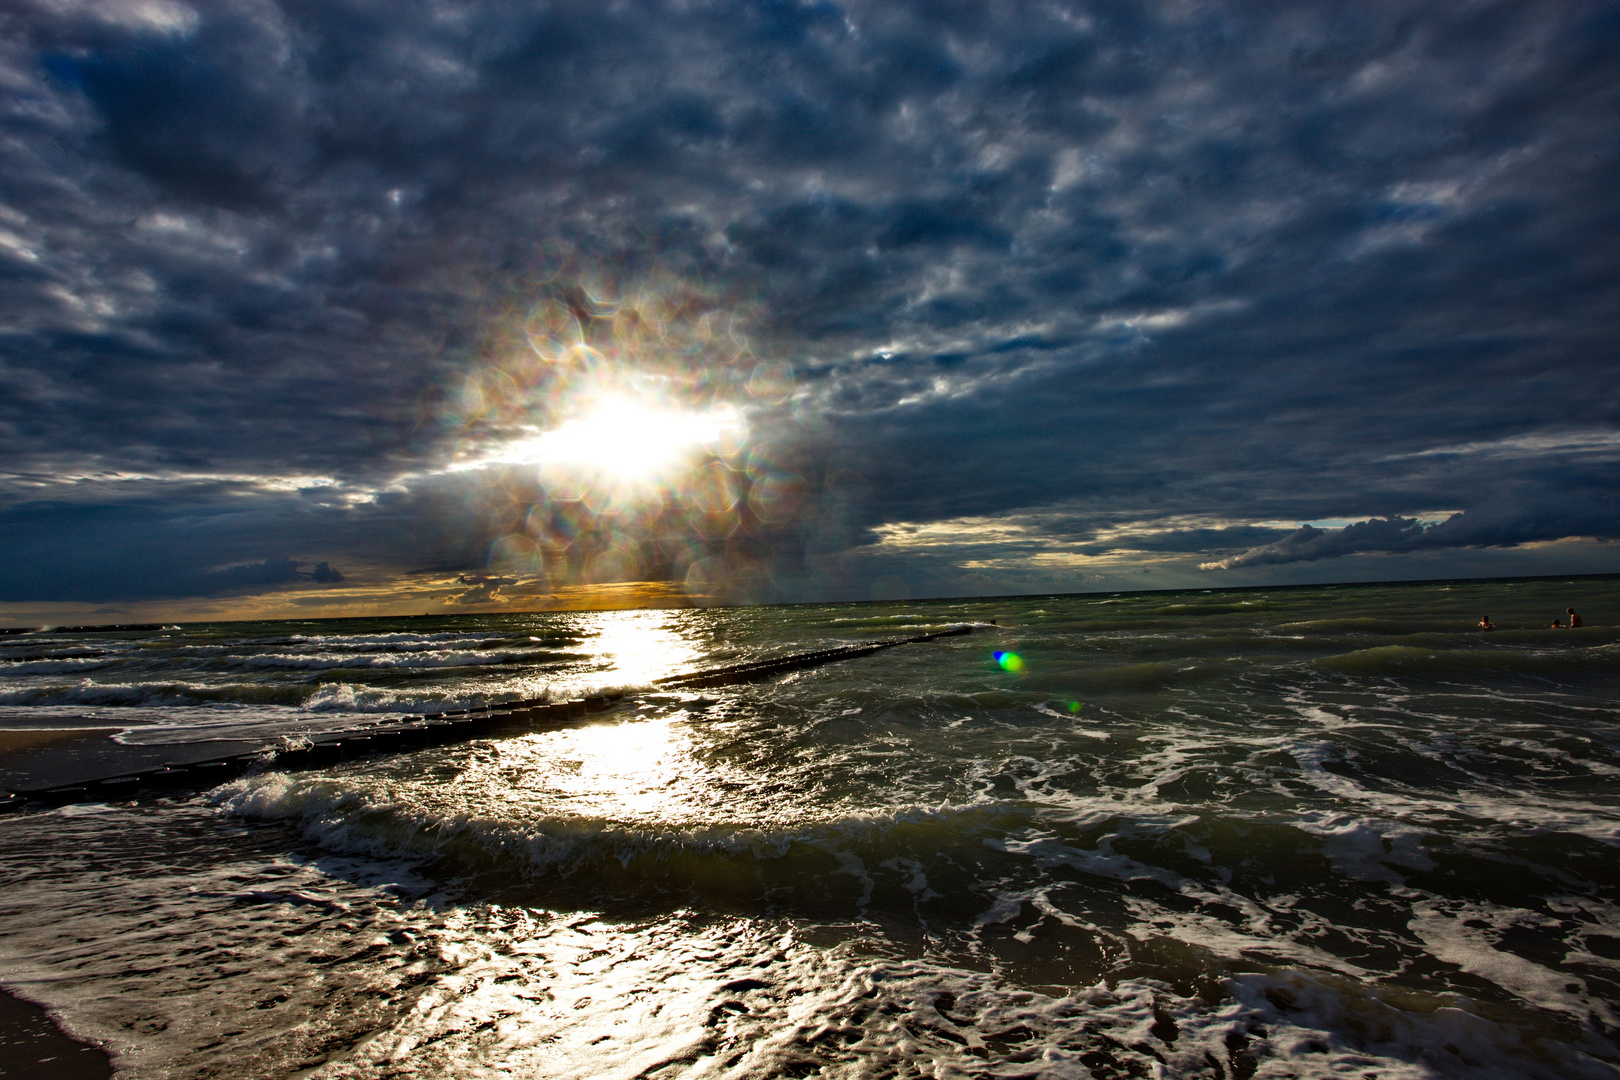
<point>1009,661</point>
<point>1074,706</point>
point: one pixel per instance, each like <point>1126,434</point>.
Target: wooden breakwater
<point>413,733</point>
<point>762,669</point>
<point>410,733</point>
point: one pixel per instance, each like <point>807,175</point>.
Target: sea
<point>1311,832</point>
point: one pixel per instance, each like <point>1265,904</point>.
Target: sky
<point>343,308</point>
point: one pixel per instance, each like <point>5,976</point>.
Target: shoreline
<point>34,1047</point>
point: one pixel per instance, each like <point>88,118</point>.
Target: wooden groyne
<point>762,669</point>
<point>411,733</point>
<point>415,733</point>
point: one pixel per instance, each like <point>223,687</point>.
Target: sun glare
<point>624,439</point>
<point>632,440</point>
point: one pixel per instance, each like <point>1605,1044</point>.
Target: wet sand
<point>33,1048</point>
<point>16,741</point>
<point>35,758</point>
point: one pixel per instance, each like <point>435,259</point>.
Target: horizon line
<point>839,603</point>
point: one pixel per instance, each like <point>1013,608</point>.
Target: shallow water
<point>1298,832</point>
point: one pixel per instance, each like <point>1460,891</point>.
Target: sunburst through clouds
<point>628,440</point>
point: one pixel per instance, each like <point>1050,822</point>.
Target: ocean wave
<point>876,620</point>
<point>1199,608</point>
<point>69,653</point>
<point>349,815</point>
<point>326,697</point>
<point>394,661</point>
<point>369,643</point>
<point>411,642</point>
<point>384,643</point>
<point>1409,660</point>
<point>1352,625</point>
<point>346,697</point>
<point>878,623</point>
<point>55,666</point>
<point>86,692</point>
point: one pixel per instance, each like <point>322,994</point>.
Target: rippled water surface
<point>1313,832</point>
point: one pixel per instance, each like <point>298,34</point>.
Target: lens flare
<point>1009,661</point>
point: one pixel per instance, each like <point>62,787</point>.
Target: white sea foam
<point>397,642</point>
<point>55,666</point>
<point>1472,935</point>
<point>403,660</point>
<point>87,692</point>
<point>1519,811</point>
<point>1371,850</point>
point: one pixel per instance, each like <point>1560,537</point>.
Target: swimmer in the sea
<point>1485,623</point>
<point>1574,619</point>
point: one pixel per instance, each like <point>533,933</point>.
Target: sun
<point>629,440</point>
<point>621,439</point>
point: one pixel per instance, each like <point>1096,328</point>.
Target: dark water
<point>1306,832</point>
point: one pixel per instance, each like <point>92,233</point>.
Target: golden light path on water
<point>639,770</point>
<point>642,769</point>
<point>641,645</point>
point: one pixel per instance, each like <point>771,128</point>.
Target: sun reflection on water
<point>641,646</point>
<point>642,770</point>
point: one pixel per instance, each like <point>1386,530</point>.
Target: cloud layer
<point>1120,285</point>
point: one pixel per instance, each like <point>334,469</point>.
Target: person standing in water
<point>1574,619</point>
<point>1485,623</point>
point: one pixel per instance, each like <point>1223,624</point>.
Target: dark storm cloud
<point>1309,543</point>
<point>184,544</point>
<point>269,572</point>
<point>1128,263</point>
<point>1529,517</point>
